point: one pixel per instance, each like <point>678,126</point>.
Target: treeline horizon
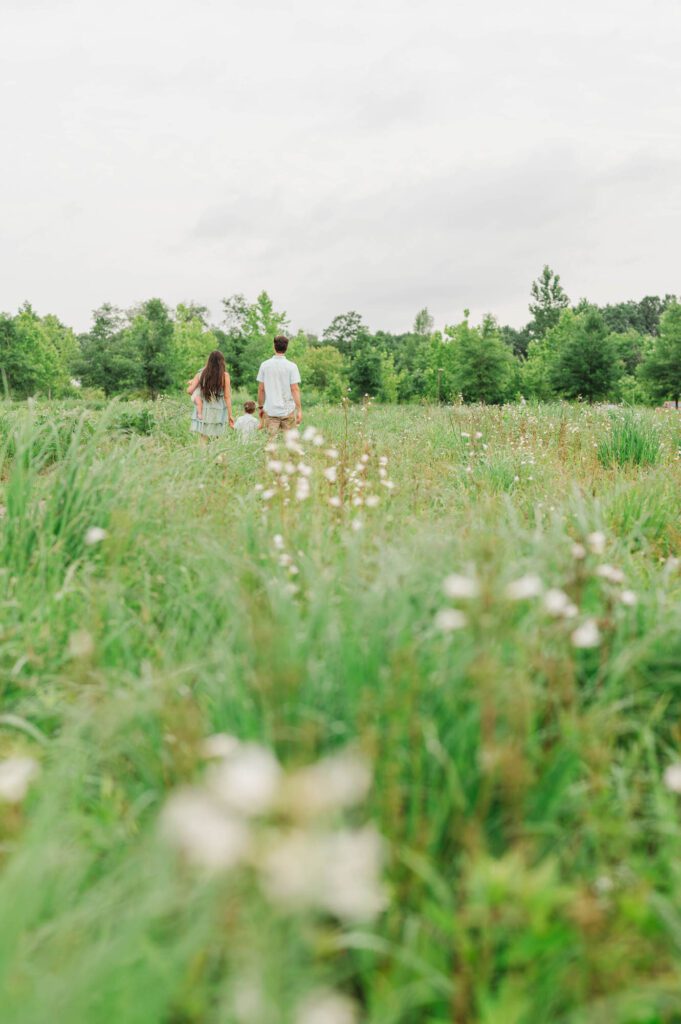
<point>624,352</point>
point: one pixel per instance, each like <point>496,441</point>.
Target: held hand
<point>231,422</point>
<point>299,417</point>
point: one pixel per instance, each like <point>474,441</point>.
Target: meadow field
<point>380,726</point>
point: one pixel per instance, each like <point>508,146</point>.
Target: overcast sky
<point>378,155</point>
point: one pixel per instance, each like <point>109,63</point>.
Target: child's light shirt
<point>246,426</point>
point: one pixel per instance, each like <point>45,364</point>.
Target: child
<point>247,425</point>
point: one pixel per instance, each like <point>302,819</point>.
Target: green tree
<point>109,358</point>
<point>151,329</point>
<point>517,340</point>
<point>193,340</point>
<point>423,323</point>
<point>345,331</point>
<point>254,326</point>
<point>482,364</point>
<point>389,388</point>
<point>585,363</point>
<point>323,368</point>
<point>549,300</point>
<point>37,354</point>
<point>661,369</point>
<point>365,368</point>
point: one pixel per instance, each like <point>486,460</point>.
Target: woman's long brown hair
<point>212,379</point>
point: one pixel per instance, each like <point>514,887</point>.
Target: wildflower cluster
<point>249,814</point>
<point>556,602</point>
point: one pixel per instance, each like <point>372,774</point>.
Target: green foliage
<point>583,365</point>
<point>549,300</point>
<point>631,440</point>
<point>36,353</point>
<point>423,323</point>
<point>345,331</point>
<point>562,352</point>
<point>192,342</point>
<point>151,332</point>
<point>109,358</point>
<point>661,369</point>
<point>482,364</point>
<point>323,368</point>
<point>642,317</point>
<point>365,368</point>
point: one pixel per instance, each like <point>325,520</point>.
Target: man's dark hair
<point>249,407</point>
<point>280,343</point>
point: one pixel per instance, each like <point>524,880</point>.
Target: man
<point>279,390</point>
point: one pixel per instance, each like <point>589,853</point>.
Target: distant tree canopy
<point>627,351</point>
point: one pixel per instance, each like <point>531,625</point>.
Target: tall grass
<point>633,440</point>
<point>531,846</point>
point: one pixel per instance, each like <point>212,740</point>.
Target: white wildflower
<point>383,461</point>
<point>587,635</point>
<point>460,587</point>
<point>196,824</point>
<point>388,484</point>
<point>364,458</point>
<point>448,620</point>
<point>336,782</point>
<point>331,474</point>
<point>309,433</point>
<point>269,493</point>
<point>672,777</point>
<point>81,644</point>
<point>610,573</point>
<point>331,453</point>
<point>604,885</point>
<point>357,525</point>
<point>318,441</point>
<point>302,488</point>
<point>247,781</point>
<point>556,602</point>
<point>628,598</point>
<point>524,588</point>
<point>16,775</point>
<point>278,542</point>
<point>275,466</point>
<point>289,468</point>
<point>372,500</point>
<point>333,871</point>
<point>304,469</point>
<point>95,535</point>
<point>596,542</point>
<point>292,442</point>
<point>335,502</point>
<point>325,1006</point>
<point>578,551</point>
<point>219,745</point>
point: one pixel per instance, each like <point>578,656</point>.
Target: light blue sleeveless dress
<point>214,417</point>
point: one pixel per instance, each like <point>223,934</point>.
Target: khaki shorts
<point>273,424</point>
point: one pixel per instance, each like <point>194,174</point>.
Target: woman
<point>212,396</point>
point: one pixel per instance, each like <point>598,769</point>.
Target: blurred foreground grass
<point>449,643</point>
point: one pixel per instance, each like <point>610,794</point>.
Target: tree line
<point>629,351</point>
